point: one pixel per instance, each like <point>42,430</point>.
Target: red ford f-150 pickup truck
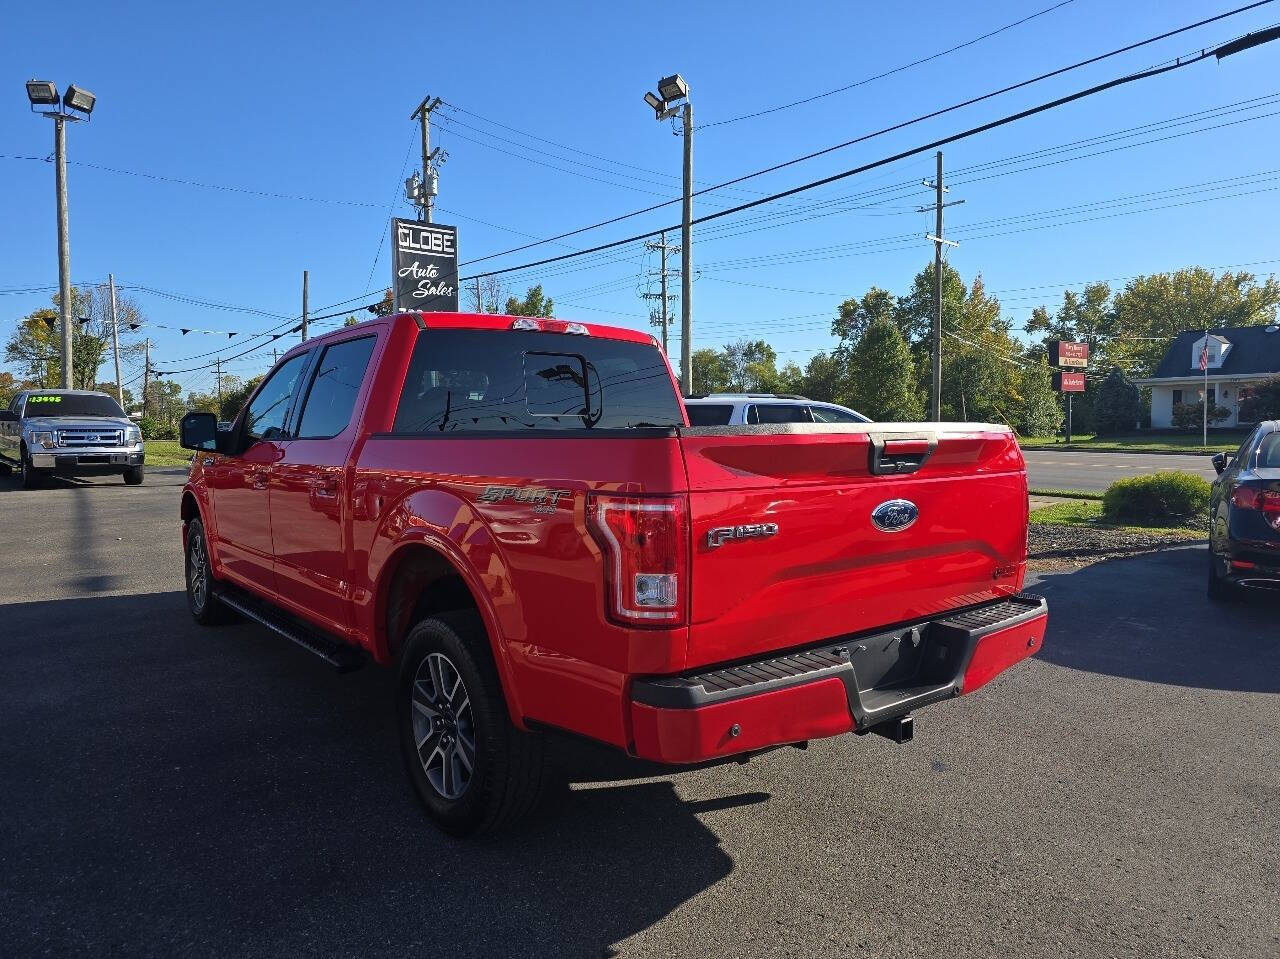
<point>516,513</point>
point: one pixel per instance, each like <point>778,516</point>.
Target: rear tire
<point>204,605</point>
<point>1219,590</point>
<point>472,769</point>
<point>133,476</point>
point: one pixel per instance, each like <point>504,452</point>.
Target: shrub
<point>1190,415</point>
<point>153,429</point>
<point>1168,497</point>
<point>1118,408</point>
<point>1262,402</point>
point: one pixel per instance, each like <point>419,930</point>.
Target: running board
<point>342,656</point>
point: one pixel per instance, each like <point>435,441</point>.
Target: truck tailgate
<point>785,550</point>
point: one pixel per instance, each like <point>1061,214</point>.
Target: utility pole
<point>479,297</point>
<point>217,373</point>
<point>662,317</point>
<point>430,177</point>
<point>275,356</point>
<point>304,306</point>
<point>146,373</point>
<point>115,338</point>
<point>935,338</point>
<point>64,245</point>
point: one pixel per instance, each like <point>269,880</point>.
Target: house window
<point>1177,397</point>
<point>1213,390</point>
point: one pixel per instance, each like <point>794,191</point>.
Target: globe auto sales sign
<point>425,266</point>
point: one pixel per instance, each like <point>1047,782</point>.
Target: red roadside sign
<point>1068,382</point>
<point>1064,353</point>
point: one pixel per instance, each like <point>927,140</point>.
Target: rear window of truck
<point>487,380</point>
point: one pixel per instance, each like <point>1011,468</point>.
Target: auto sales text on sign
<point>1068,382</point>
<point>425,266</point>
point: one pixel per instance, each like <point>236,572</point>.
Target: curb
<point>1075,448</point>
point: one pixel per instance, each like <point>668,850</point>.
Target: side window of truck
<point>331,398</point>
<point>264,419</point>
<point>487,380</point>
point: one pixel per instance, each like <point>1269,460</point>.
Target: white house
<point>1238,357</point>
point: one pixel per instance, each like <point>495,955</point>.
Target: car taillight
<point>1266,501</point>
<point>646,549</point>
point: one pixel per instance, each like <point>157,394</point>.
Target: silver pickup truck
<point>69,433</point>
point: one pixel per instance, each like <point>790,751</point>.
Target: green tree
<point>855,316</point>
<point>791,379</point>
<point>825,377</point>
<point>533,304</point>
<point>1038,411</point>
<point>751,366</point>
<point>350,321</point>
<point>235,394</point>
<point>9,387</point>
<point>881,374</point>
<point>1262,402</point>
<point>914,312</point>
<point>1151,310</point>
<point>1118,408</point>
<point>979,360</point>
<point>709,372</point>
<point>36,344</point>
<point>384,307</point>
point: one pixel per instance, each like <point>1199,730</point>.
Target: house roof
<point>1253,350</point>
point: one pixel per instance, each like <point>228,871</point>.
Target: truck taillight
<point>1266,501</point>
<point>645,542</point>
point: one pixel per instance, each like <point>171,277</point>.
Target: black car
<point>1244,516</point>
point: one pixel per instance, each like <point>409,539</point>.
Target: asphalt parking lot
<point>169,791</point>
<point>1068,469</point>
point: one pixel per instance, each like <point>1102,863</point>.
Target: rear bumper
<point>848,684</point>
<point>88,462</point>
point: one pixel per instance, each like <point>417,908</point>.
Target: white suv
<point>740,409</point>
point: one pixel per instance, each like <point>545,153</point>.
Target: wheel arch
<point>423,577</point>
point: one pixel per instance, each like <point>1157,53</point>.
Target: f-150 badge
<point>542,499</point>
<point>719,535</point>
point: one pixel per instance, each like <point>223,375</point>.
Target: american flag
<point>1204,355</point>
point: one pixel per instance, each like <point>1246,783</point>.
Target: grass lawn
<point>1090,514</point>
<point>166,453</point>
<point>1161,442</point>
<point>1067,493</point>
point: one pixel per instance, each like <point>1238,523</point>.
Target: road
<point>170,790</point>
<point>1096,471</point>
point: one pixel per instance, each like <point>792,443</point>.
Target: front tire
<point>133,476</point>
<point>204,605</point>
<point>472,769</point>
<point>32,478</point>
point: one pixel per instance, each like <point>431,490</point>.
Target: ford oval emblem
<point>895,515</point>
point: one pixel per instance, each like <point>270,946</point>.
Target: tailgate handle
<point>905,454</point>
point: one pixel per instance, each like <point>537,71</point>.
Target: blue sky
<point>313,101</point>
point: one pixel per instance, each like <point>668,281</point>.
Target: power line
<point>886,73</point>
<point>906,123</point>
<point>972,131</point>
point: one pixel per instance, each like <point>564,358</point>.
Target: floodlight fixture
<point>654,101</point>
<point>42,93</point>
<point>673,88</point>
<point>78,99</point>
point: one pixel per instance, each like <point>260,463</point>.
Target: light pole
<point>76,101</point>
<point>672,99</point>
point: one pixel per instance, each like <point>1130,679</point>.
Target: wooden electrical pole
<point>304,306</point>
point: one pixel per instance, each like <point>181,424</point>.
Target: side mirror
<point>199,431</point>
<point>1220,462</point>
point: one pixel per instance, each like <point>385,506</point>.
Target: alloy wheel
<point>443,726</point>
<point>197,572</point>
